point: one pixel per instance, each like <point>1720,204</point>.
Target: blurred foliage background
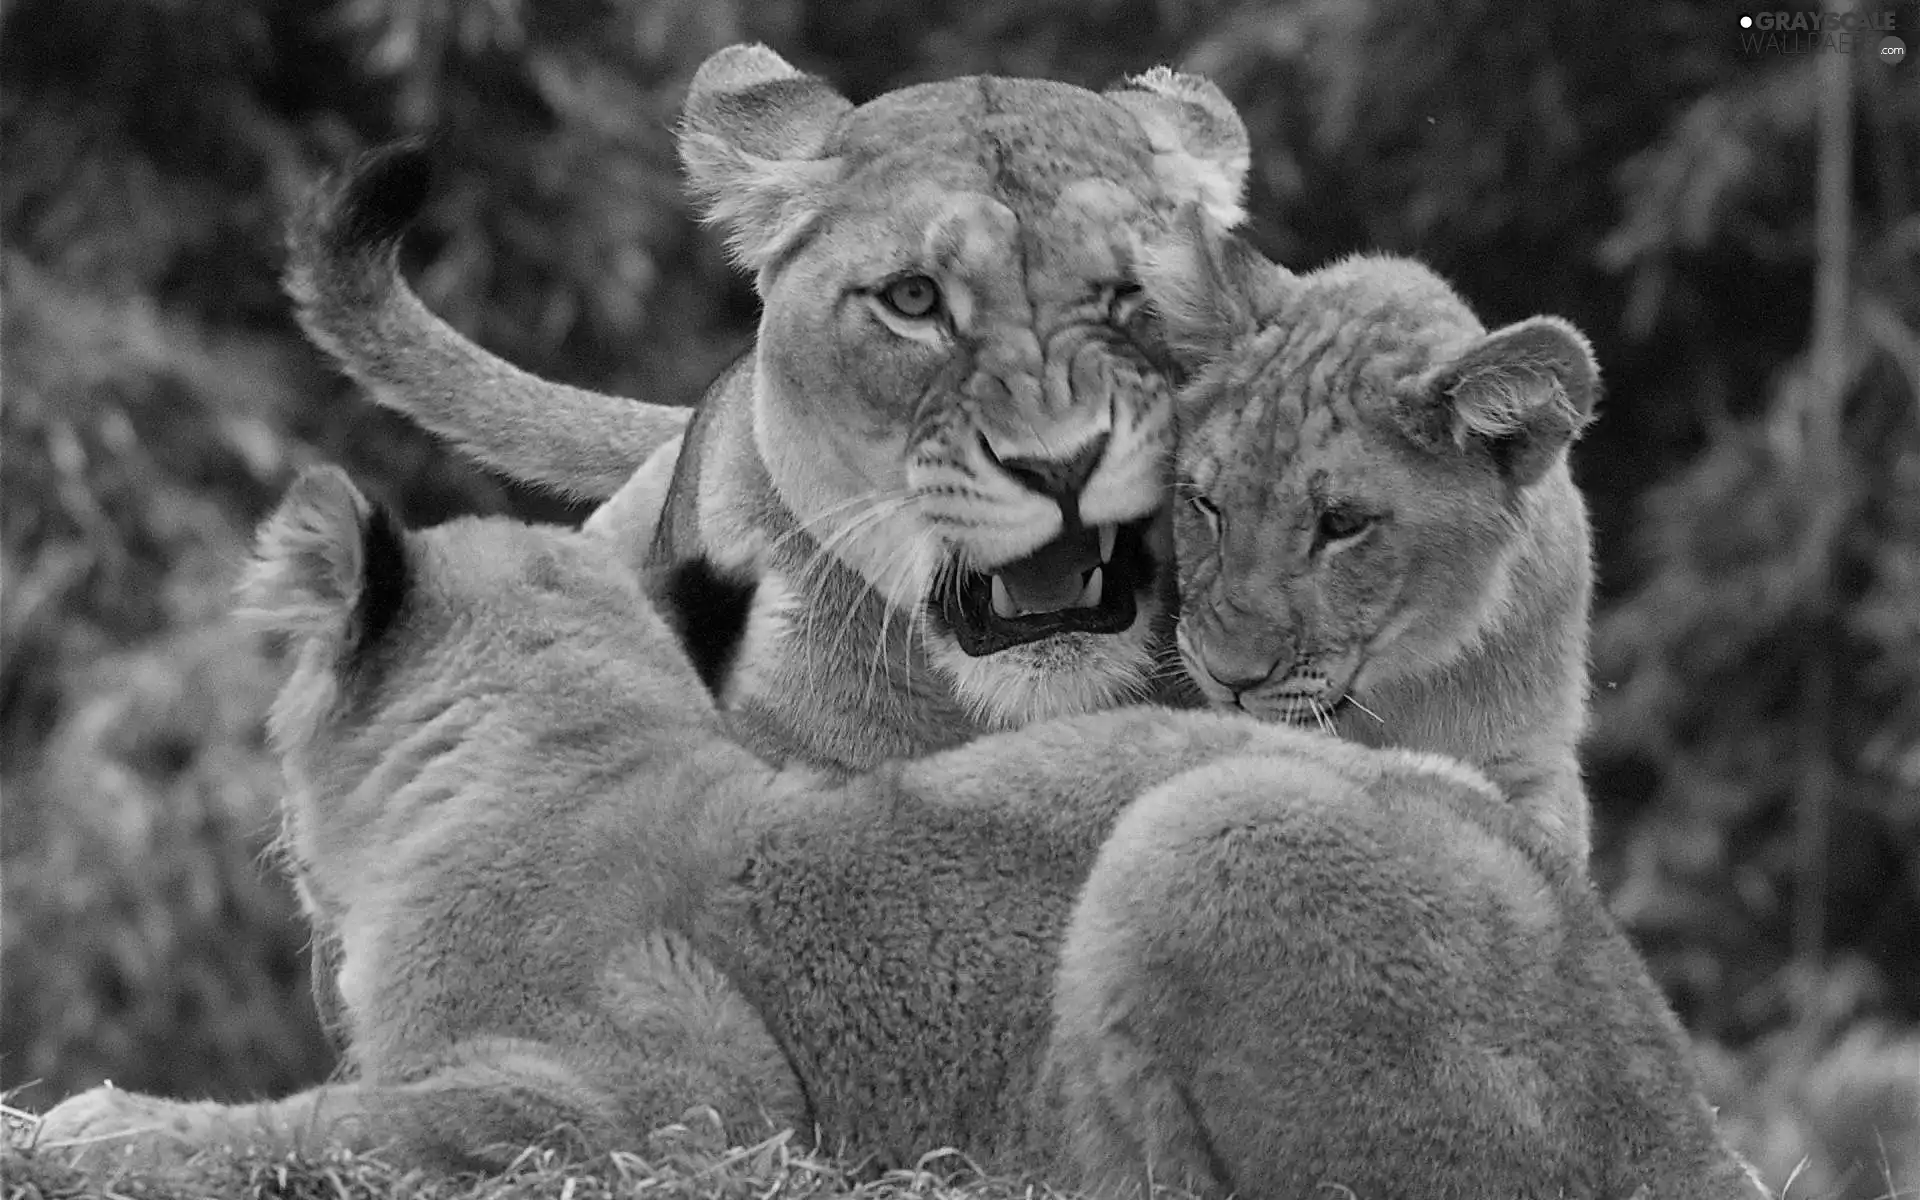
<point>1756,766</point>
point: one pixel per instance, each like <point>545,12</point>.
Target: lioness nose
<point>1058,479</point>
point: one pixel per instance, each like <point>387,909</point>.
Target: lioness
<point>1142,944</point>
<point>948,444</point>
<point>1378,531</point>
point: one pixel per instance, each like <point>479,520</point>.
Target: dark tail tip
<point>379,196</point>
<point>360,212</point>
<point>340,242</point>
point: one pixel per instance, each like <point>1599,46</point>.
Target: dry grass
<point>774,1168</point>
<point>674,1167</point>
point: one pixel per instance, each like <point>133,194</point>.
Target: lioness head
<point>958,393</point>
<point>1361,465</point>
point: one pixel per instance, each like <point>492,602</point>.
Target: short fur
<point>868,461</point>
<point>1455,618</point>
<point>1238,957</point>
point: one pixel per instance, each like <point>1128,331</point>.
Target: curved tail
<point>343,275</point>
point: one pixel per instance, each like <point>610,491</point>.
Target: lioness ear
<point>1211,287</point>
<point>1526,391</point>
<point>752,136</point>
<point>1199,142</point>
<point>328,564</point>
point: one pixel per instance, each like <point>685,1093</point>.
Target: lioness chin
<point>1140,945</point>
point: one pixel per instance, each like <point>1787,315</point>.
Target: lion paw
<point>115,1120</point>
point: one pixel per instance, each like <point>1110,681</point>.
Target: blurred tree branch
<point>1816,427</point>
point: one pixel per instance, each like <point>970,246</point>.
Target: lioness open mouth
<point>1087,580</point>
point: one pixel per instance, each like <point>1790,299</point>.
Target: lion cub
<point>1378,530</point>
<point>1142,945</point>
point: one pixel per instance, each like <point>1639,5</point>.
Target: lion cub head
<point>958,393</point>
<point>1371,485</point>
<point>435,662</point>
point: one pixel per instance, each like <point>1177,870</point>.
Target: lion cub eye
<point>914,297</point>
<point>1207,509</point>
<point>1341,525</point>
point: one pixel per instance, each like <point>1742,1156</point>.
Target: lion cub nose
<point>1236,677</point>
<point>1058,479</point>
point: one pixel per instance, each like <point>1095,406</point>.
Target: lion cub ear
<point>753,137</point>
<point>1526,391</point>
<point>328,564</point>
<point>1210,287</point>
<point>1199,142</point>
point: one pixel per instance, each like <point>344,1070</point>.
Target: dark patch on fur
<point>677,535</point>
<point>381,195</point>
<point>709,610</point>
<point>1222,1175</point>
<point>387,577</point>
<point>541,573</point>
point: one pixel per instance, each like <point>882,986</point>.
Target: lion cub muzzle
<point>1274,685</point>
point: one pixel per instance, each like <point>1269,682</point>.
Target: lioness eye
<point>1342,524</point>
<point>1124,301</point>
<point>915,297</point>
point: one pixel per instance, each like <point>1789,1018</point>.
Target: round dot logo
<point>1892,51</point>
<point>1746,22</point>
